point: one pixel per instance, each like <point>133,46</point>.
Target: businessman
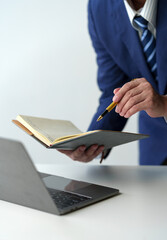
<point>129,38</point>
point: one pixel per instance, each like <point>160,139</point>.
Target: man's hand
<point>82,154</point>
<point>139,95</point>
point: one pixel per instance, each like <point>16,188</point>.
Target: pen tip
<point>99,118</point>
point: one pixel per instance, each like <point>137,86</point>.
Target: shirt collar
<point>149,12</point>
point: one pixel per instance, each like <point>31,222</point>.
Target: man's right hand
<point>82,154</point>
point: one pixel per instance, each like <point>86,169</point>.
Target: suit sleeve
<point>109,77</point>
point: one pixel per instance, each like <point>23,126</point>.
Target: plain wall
<point>48,69</point>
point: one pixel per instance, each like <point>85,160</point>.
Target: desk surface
<point>139,212</point>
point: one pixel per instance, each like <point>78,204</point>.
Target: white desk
<point>140,212</point>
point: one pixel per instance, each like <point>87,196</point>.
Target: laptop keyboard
<point>66,199</point>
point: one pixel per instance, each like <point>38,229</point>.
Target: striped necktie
<point>149,44</point>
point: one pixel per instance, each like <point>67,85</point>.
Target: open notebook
<point>63,134</point>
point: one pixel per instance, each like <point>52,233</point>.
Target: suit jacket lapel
<point>161,49</point>
<point>130,38</point>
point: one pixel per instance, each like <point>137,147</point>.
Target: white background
<point>48,69</point>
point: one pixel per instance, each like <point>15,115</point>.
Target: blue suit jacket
<point>120,58</point>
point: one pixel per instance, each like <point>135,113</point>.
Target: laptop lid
<point>20,183</point>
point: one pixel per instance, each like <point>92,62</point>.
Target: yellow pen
<point>108,109</point>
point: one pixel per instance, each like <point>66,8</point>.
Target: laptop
<point>22,184</point>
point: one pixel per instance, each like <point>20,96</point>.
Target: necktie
<point>149,44</point>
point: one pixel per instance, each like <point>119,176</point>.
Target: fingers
<point>131,103</point>
<point>125,88</point>
<point>82,154</point>
<point>116,90</point>
<point>74,154</point>
<point>132,109</point>
<point>91,153</point>
<point>133,97</point>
